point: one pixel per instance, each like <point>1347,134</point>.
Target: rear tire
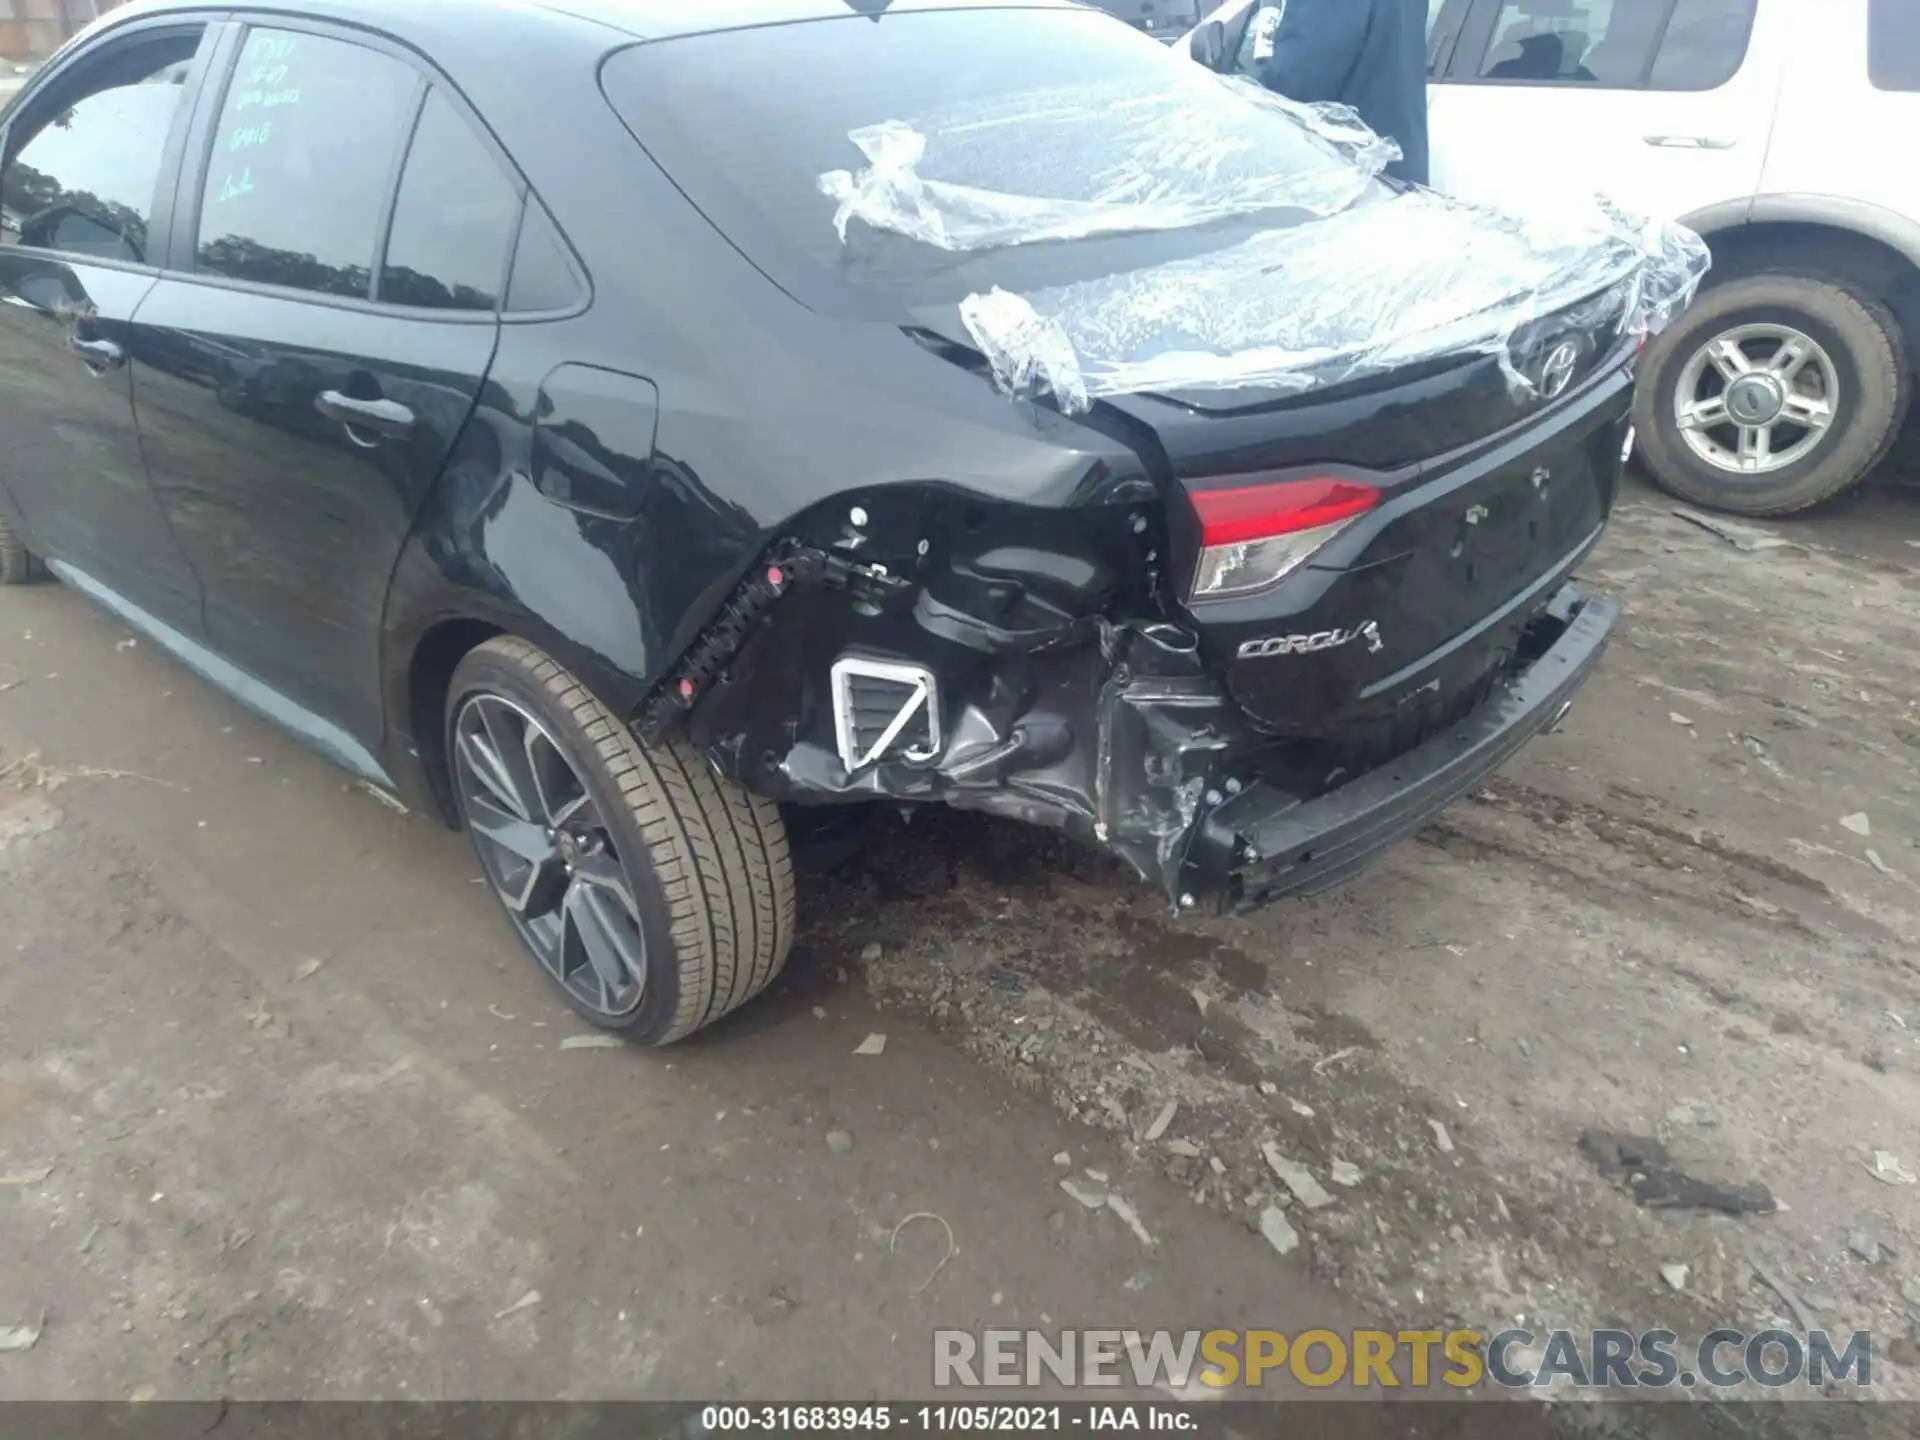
<point>706,916</point>
<point>1857,371</point>
<point>18,565</point>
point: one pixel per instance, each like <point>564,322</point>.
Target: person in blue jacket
<point>1370,54</point>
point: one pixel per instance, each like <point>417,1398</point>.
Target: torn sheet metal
<point>1086,160</point>
<point>1112,741</point>
<point>1407,278</point>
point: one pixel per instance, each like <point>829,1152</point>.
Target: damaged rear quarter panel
<point>1063,699</point>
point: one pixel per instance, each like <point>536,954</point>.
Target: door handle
<point>388,419</point>
<point>98,355</point>
<point>1691,142</point>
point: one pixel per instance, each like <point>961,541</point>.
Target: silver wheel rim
<point>549,856</point>
<point>1755,399</point>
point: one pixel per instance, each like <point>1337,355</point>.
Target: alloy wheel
<point>548,854</point>
<point>1756,399</point>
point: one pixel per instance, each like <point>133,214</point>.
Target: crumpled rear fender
<point>1050,689</point>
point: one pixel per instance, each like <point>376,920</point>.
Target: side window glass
<point>1705,44</point>
<point>454,219</point>
<point>1893,45</point>
<point>542,278</point>
<point>1606,43</point>
<point>84,176</point>
<point>302,155</point>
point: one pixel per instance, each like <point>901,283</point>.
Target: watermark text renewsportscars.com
<point>1394,1359</point>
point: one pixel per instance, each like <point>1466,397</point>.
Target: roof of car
<point>642,19</point>
<point>660,18</point>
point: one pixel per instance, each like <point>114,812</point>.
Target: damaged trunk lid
<point>1467,500</point>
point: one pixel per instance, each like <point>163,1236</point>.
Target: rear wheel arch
<point>425,653</point>
<point>1824,250</point>
<point>429,678</point>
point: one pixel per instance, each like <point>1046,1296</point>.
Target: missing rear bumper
<point>1264,845</point>
<point>1010,682</point>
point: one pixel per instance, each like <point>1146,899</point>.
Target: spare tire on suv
<point>1773,393</point>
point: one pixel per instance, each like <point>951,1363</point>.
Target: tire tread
<point>718,853</point>
<point>1882,333</point>
<point>18,565</point>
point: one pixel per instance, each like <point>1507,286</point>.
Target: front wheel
<point>1772,394</point>
<point>657,896</point>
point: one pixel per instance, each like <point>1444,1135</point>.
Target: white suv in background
<point>1782,131</point>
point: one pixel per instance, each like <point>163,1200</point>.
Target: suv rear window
<point>1893,44</point>
<point>1705,44</point>
<point>746,122</point>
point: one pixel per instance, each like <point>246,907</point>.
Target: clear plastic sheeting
<point>1084,160</point>
<point>1676,261</point>
<point>1347,278</point>
<point>1409,278</point>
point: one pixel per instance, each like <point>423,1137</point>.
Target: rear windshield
<point>1052,103</point>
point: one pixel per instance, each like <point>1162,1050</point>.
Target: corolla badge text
<point>1312,644</point>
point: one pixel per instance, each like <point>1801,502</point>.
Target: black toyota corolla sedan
<point>628,428</point>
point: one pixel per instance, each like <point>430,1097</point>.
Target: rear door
<point>87,157</point>
<point>327,319</point>
<point>1667,105</point>
<point>1854,86</point>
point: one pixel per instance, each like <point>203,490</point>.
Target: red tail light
<point>1253,536</point>
<point>1254,512</point>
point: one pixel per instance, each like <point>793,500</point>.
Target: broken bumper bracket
<point>1263,844</point>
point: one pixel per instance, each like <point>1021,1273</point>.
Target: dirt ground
<point>284,1113</point>
<point>1692,915</point>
